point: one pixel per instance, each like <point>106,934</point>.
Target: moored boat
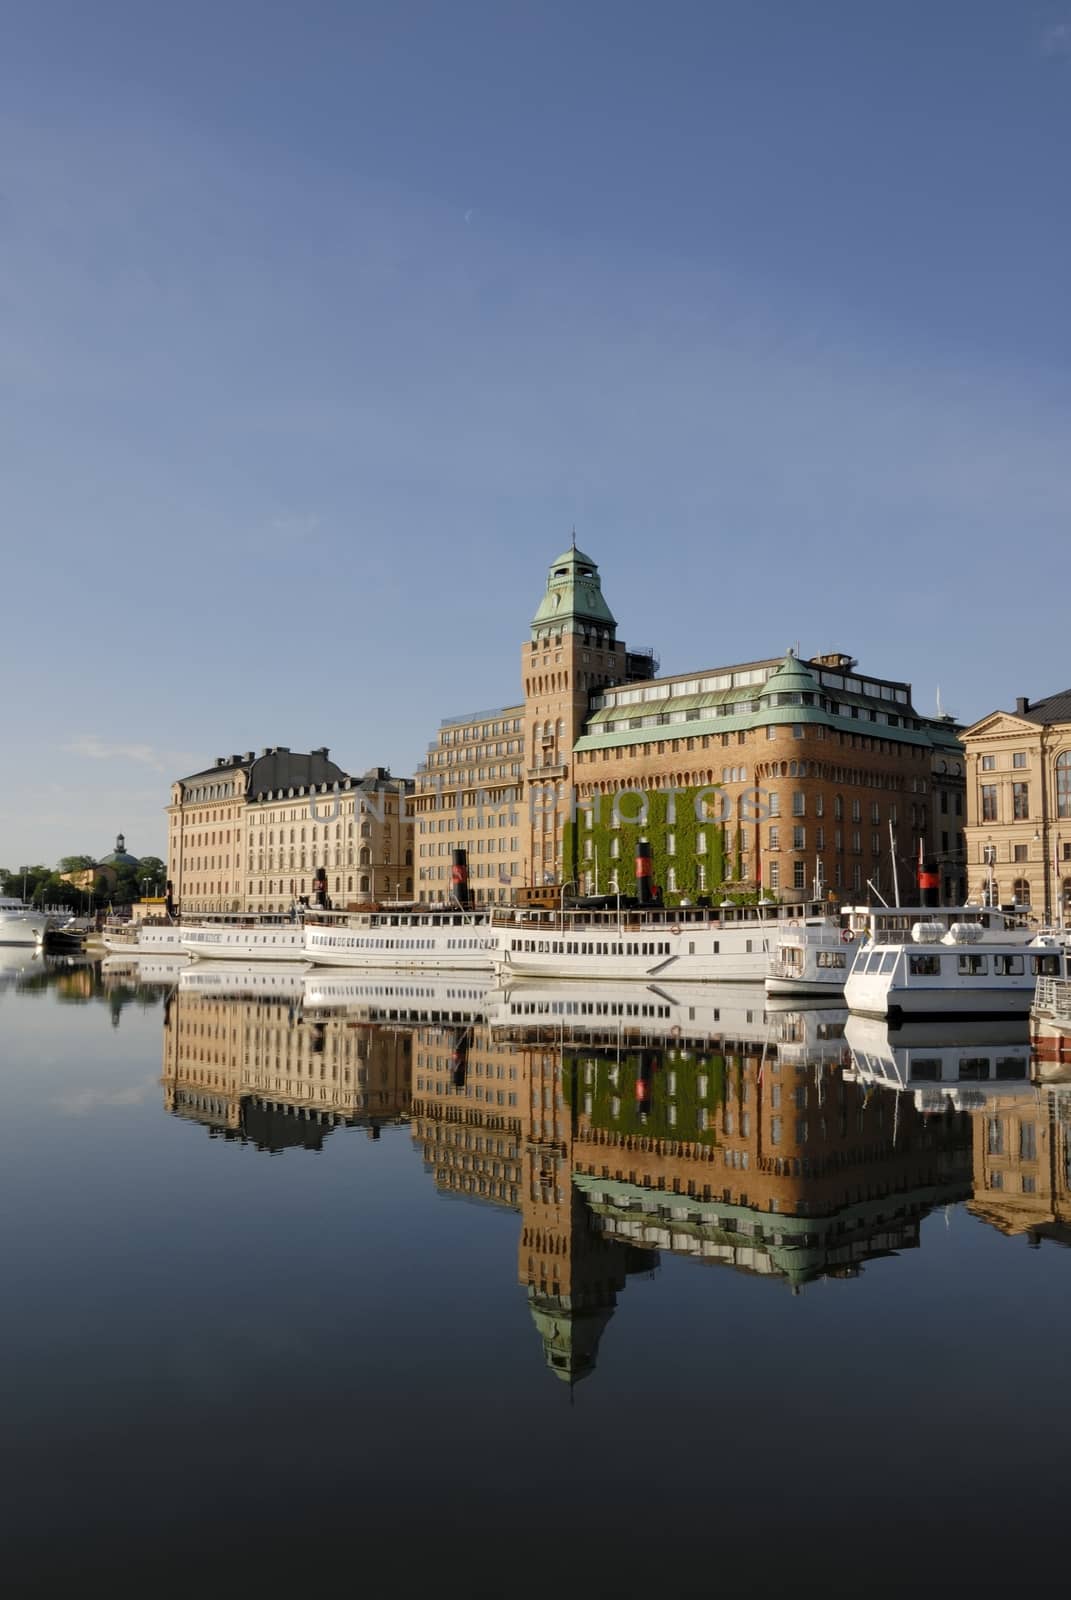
<point>942,972</point>
<point>148,938</point>
<point>814,955</point>
<point>21,924</point>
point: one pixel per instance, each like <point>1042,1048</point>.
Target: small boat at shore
<point>148,938</point>
<point>941,972</point>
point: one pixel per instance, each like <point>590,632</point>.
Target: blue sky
<point>321,325</point>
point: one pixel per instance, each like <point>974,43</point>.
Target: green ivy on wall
<point>724,846</point>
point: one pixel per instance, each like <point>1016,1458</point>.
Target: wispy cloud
<point>145,755</point>
<point>1056,41</point>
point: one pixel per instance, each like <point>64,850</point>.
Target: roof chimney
<point>1022,705</point>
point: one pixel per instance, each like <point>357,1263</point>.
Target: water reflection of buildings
<point>618,1131</point>
<point>262,1069</point>
<point>1022,1164</point>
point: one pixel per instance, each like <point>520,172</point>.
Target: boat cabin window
<point>1045,966</point>
<point>888,961</point>
<point>1008,966</point>
<point>925,966</point>
<point>972,965</point>
<point>927,1069</point>
<point>1009,1067</point>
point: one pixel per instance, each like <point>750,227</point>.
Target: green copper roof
<point>573,596</point>
<point>791,677</point>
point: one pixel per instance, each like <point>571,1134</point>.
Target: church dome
<point>120,856</point>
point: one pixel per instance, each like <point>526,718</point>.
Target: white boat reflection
<point>392,997</point>
<point>261,979</point>
<point>145,969</point>
<point>954,1064</point>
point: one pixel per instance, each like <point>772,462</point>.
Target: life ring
<point>675,1031</point>
<point>676,928</point>
<point>847,935</point>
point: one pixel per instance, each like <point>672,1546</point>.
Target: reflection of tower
<point>572,1273</point>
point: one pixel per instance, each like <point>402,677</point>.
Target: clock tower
<point>571,654</point>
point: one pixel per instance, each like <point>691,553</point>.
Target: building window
<point>1019,852</point>
<point>774,870</point>
<point>671,843</point>
<point>700,844</point>
<point>1021,891</point>
<point>1063,785</point>
<point>775,839</point>
<point>989,802</point>
<point>799,841</point>
<point>773,801</point>
<point>799,880</point>
<point>1020,801</point>
<point>1028,1149</point>
<point>989,763</point>
<point>799,803</point>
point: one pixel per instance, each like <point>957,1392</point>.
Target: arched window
<point>1021,891</point>
<point>1063,784</point>
<point>1067,892</point>
<point>364,885</point>
<point>365,858</point>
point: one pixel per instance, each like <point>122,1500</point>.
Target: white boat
<point>730,945</point>
<point>949,972</point>
<point>245,941</point>
<point>20,923</point>
<point>813,955</point>
<point>955,1065</point>
<point>409,941</point>
<point>138,939</point>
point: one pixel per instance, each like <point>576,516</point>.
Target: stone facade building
<point>1019,806</point>
<point>251,832</point>
<point>815,775</point>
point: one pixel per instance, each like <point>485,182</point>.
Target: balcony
<point>544,774</point>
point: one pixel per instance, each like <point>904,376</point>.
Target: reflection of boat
<point>398,996</point>
<point>952,1063</point>
<point>814,954</point>
<point>952,973</point>
<point>280,981</point>
<point>146,969</point>
<point>668,1011</point>
<point>17,960</point>
<point>20,924</point>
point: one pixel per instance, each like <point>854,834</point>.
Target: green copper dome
<point>791,677</point>
<point>573,601</point>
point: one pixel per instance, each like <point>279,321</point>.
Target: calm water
<point>310,1284</point>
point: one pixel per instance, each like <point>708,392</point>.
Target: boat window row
<point>969,964</point>
<point>832,958</point>
<point>342,941</point>
<point>596,947</point>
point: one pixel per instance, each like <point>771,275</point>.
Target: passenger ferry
<point>944,1066</point>
<point>731,944</point>
<point>149,938</point>
<point>945,972</point>
<point>814,956</point>
<point>404,940</point>
<point>20,923</point>
<point>263,939</point>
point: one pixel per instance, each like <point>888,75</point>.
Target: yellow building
<point>1019,807</point>
<point>251,833</point>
